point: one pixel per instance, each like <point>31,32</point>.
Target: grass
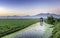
<point>56,30</point>
<point>10,26</point>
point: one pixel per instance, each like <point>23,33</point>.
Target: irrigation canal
<point>33,31</point>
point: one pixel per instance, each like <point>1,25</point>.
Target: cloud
<point>56,11</point>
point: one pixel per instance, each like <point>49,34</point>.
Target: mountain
<point>44,15</point>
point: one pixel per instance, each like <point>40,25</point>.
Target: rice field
<point>10,26</point>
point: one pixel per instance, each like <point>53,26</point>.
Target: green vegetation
<point>56,31</point>
<point>56,27</point>
<point>50,20</point>
<point>10,26</point>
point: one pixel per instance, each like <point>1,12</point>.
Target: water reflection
<point>35,31</point>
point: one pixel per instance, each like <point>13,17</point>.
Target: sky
<point>28,7</point>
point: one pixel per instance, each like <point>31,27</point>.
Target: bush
<point>50,20</point>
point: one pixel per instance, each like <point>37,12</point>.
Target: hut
<point>41,21</point>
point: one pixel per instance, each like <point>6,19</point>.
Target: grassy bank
<point>56,26</point>
<point>56,31</point>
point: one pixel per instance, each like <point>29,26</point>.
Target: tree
<point>50,20</point>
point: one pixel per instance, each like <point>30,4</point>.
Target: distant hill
<point>44,15</point>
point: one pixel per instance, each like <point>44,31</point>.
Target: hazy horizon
<point>28,7</point>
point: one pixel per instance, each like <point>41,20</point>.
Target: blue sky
<point>28,7</point>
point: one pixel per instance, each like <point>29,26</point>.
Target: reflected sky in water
<point>35,31</point>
